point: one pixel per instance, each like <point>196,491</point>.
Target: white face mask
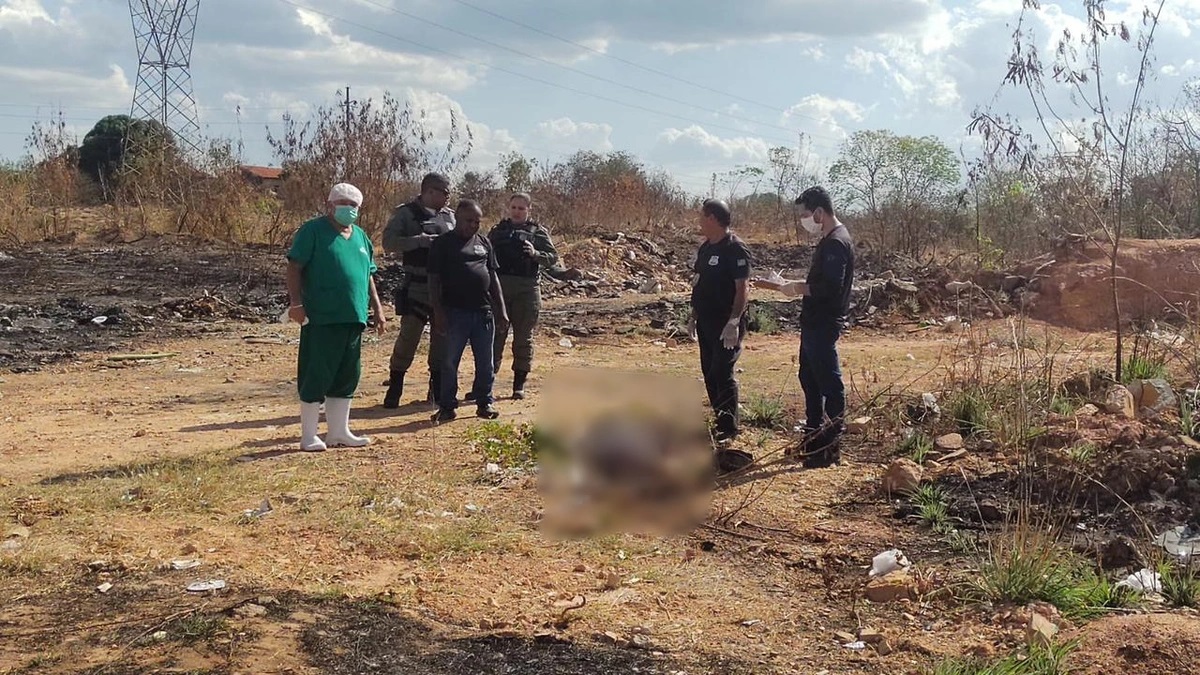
<point>810,225</point>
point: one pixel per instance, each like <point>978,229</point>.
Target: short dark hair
<point>718,209</point>
<point>434,180</point>
<point>468,204</point>
<point>816,198</point>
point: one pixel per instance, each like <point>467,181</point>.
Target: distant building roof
<point>263,172</point>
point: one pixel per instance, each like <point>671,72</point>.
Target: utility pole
<point>346,130</point>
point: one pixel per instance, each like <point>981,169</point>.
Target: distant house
<point>266,177</point>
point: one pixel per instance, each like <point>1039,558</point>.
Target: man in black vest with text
<point>718,320</point>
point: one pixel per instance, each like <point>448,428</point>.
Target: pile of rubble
<point>609,265</point>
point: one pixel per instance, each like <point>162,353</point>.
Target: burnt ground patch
<point>371,637</point>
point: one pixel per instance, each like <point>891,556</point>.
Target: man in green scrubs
<point>330,286</point>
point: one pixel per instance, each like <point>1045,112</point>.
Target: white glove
<point>729,336</point>
<point>691,327</point>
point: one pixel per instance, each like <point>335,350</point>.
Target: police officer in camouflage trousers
<point>410,233</point>
<point>522,248</point>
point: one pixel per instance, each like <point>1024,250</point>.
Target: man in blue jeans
<point>823,315</point>
<point>467,307</point>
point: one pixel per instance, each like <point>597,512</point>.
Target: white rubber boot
<point>337,416</point>
<point>310,419</point>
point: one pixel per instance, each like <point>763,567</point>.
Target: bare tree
<point>1078,69</point>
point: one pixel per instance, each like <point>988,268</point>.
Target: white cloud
<point>440,111</point>
<point>59,85</point>
<point>564,136</point>
<point>831,115</point>
<point>22,12</point>
<point>1189,66</point>
<point>865,61</point>
<point>696,142</point>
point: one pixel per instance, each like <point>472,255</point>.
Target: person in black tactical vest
<point>410,233</point>
<point>523,248</point>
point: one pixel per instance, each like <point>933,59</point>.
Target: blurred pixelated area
<point>622,451</point>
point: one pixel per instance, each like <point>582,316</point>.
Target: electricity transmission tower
<point>164,30</point>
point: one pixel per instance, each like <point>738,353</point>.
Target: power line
<point>600,78</point>
<point>627,62</point>
<point>531,78</point>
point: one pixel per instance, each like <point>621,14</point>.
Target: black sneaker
<point>487,412</point>
<point>729,460</point>
<point>518,394</point>
<point>827,453</point>
<point>444,415</point>
<point>470,397</point>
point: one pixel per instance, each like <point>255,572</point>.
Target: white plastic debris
<point>206,586</point>
<point>104,587</point>
<point>492,467</point>
<point>565,342</point>
<point>857,646</point>
<point>184,564</point>
<point>1145,581</point>
<point>99,320</point>
<point>1182,542</point>
<point>262,510</point>
<point>888,561</point>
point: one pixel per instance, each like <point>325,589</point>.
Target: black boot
<point>395,388</point>
<point>519,383</point>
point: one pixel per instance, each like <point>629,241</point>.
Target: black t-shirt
<point>718,267</point>
<point>830,280</point>
<point>464,268</point>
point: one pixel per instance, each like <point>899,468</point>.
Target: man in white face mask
<point>824,309</point>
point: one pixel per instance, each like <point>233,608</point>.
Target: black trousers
<point>717,364</point>
<point>821,380</point>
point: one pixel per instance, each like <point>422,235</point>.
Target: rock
<point>1012,282</point>
<point>1118,400</point>
<point>576,331</point>
<point>949,442</point>
<point>17,532</point>
<point>650,286</point>
<point>902,286</point>
<point>892,587</point>
<point>858,425</point>
<point>1087,385</point>
<point>1040,631</point>
<point>843,637</point>
<point>870,636</point>
<point>1119,552</point>
<point>1087,410</point>
<point>1153,397</point>
<point>249,611</point>
<point>959,286</point>
<point>990,512</point>
<point>903,476</point>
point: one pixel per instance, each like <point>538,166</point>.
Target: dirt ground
<point>1158,279</point>
<point>410,556</point>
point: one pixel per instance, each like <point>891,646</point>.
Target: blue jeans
<point>821,380</point>
<point>463,326</point>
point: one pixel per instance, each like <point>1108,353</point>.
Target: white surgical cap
<point>346,191</point>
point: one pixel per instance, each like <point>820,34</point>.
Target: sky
<point>690,86</point>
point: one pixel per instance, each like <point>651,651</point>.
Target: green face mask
<point>346,215</point>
